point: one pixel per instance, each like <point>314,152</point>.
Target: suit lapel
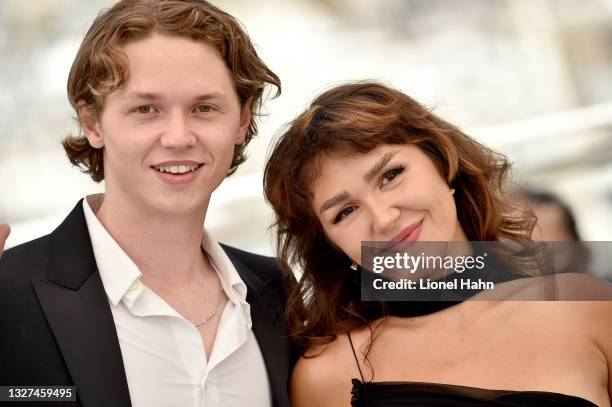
<point>269,332</point>
<point>273,344</point>
<point>75,305</point>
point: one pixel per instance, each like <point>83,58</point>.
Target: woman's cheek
<point>352,244</point>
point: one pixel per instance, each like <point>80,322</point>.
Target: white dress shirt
<point>163,353</point>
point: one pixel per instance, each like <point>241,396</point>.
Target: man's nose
<point>177,133</point>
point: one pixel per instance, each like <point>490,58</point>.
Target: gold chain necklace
<point>214,312</point>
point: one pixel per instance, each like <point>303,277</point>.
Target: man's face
<point>169,132</point>
<point>551,224</point>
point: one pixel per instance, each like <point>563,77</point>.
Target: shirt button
<point>205,385</point>
<point>133,286</point>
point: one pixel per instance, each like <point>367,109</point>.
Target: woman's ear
<point>90,124</point>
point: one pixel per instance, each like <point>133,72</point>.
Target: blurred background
<point>529,78</point>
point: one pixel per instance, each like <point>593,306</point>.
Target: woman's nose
<point>384,218</point>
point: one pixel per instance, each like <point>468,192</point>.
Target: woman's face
<point>393,193</point>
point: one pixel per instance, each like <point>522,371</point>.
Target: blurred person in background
<point>555,222</point>
<point>130,299</point>
<point>365,162</point>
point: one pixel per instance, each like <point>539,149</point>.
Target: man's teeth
<point>177,169</point>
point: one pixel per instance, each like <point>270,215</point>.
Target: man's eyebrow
<point>155,96</point>
<point>208,96</point>
<point>143,96</point>
<point>333,201</point>
<point>380,164</point>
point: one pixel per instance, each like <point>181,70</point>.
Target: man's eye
<point>343,213</point>
<point>146,109</point>
<point>390,175</point>
<point>205,109</point>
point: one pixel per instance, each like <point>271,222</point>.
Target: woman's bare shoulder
<point>556,287</point>
<point>321,375</point>
<point>583,287</point>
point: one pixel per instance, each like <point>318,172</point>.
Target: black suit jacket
<point>56,326</point>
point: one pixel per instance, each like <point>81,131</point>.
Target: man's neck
<point>163,246</point>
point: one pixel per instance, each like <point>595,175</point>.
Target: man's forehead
<point>168,66</point>
<point>169,54</point>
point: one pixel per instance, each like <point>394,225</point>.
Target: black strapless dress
<point>395,394</point>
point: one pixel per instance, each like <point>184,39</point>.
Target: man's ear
<point>245,121</point>
<point>90,125</point>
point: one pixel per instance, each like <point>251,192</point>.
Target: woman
<point>368,163</point>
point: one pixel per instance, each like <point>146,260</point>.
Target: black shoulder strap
<point>355,355</point>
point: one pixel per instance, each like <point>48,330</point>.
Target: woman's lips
<point>407,235</point>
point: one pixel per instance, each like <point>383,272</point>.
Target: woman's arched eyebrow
<point>369,176</point>
<point>333,201</point>
<point>380,164</point>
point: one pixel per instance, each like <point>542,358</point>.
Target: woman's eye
<point>390,175</point>
<point>145,109</point>
<point>343,213</point>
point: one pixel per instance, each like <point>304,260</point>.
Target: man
<point>129,299</point>
<point>5,230</point>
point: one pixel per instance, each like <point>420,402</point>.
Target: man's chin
<point>178,205</point>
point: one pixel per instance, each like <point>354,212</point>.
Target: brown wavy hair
<point>101,67</point>
<point>355,119</point>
